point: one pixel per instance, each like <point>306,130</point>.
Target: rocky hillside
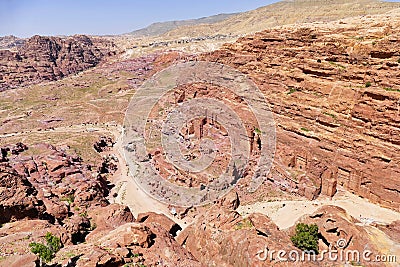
<point>160,28</point>
<point>210,36</point>
<point>11,42</point>
<point>28,186</point>
<point>333,87</point>
<point>55,193</point>
<point>335,92</point>
<point>50,58</point>
<point>221,237</point>
<point>287,12</point>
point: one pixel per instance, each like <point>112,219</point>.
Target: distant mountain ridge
<point>276,14</point>
<point>284,13</point>
<point>160,28</point>
<point>11,42</point>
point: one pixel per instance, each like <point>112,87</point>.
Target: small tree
<point>53,242</point>
<point>306,237</point>
<point>46,252</point>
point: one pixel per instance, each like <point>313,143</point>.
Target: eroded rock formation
<point>50,185</point>
<point>50,58</point>
<point>336,99</point>
<point>52,191</point>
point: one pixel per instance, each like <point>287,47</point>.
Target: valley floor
<point>286,213</point>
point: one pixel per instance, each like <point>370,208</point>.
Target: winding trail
<point>128,191</point>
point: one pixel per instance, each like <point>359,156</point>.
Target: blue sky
<point>25,18</point>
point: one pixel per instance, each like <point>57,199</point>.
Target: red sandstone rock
<point>51,185</point>
<point>222,238</point>
<point>230,200</point>
<point>165,222</point>
<point>129,234</point>
<point>392,230</point>
<point>27,260</point>
<point>50,58</point>
<point>335,224</point>
<point>326,115</point>
<point>111,216</point>
<point>166,250</point>
<point>18,198</point>
<point>15,237</point>
<point>105,219</point>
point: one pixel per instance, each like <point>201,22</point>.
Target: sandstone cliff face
<point>50,58</point>
<point>334,90</point>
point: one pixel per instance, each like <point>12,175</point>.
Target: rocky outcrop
<point>18,198</point>
<point>15,237</point>
<point>50,185</point>
<point>230,201</point>
<point>115,241</point>
<point>104,219</point>
<point>169,225</point>
<point>338,230</point>
<point>221,237</point>
<point>50,58</point>
<point>52,191</point>
<point>335,101</point>
<point>28,260</point>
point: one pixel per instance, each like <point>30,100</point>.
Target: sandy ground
<point>130,194</point>
<point>386,245</point>
<point>286,213</point>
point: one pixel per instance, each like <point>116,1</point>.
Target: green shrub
<point>42,251</point>
<point>53,242</point>
<point>69,198</point>
<point>291,90</point>
<point>245,224</point>
<point>330,115</point>
<point>46,252</point>
<point>389,89</point>
<point>306,237</point>
<point>368,84</point>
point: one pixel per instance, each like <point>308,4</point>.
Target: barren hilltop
<point>329,72</point>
